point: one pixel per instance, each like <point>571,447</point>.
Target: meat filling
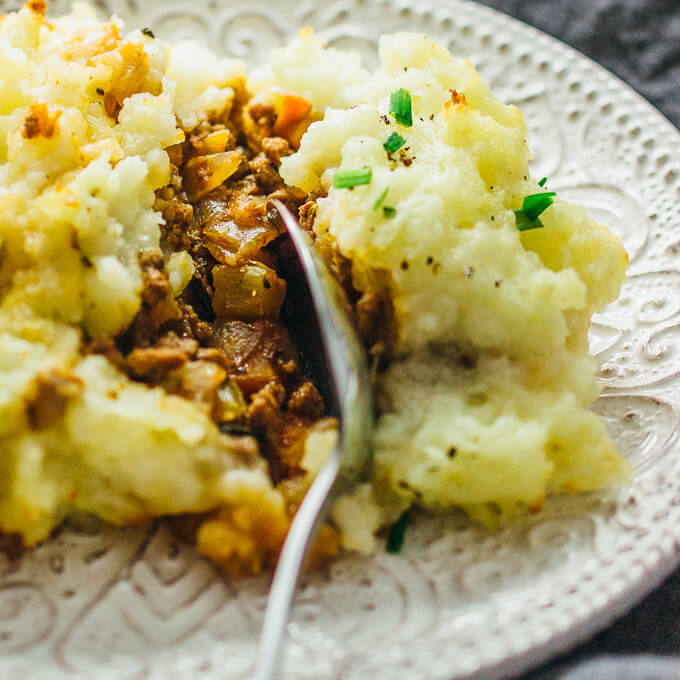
<point>221,342</point>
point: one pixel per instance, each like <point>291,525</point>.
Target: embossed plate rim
<point>581,630</point>
<point>495,657</point>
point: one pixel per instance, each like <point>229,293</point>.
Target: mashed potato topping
<point>139,293</point>
<point>85,118</point>
<point>490,375</point>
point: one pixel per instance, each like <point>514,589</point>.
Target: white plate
<point>124,605</point>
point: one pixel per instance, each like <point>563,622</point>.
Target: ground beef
<point>275,148</point>
<point>308,213</point>
<point>220,342</point>
<point>264,116</point>
<point>374,316</point>
<point>306,401</point>
<point>156,287</point>
<point>372,308</point>
<point>154,363</point>
<point>245,372</point>
<point>265,173</point>
<point>53,391</point>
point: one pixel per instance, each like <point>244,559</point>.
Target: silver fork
<point>339,361</point>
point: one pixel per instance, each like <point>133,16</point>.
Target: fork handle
<point>302,531</point>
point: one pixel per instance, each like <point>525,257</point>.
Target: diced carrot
<point>294,109</point>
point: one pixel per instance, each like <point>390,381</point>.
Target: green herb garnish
<point>394,142</point>
<point>534,205</point>
<point>542,182</point>
<point>346,179</point>
<point>400,107</point>
<point>389,211</point>
<point>381,199</point>
<point>395,539</point>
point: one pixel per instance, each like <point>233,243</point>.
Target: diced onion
<point>202,174</point>
<point>248,292</point>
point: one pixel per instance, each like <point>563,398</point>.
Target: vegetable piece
<point>524,223</point>
<point>400,107</point>
<point>381,199</point>
<point>542,182</point>
<point>247,292</point>
<point>197,381</point>
<point>395,539</point>
<point>202,174</point>
<point>394,142</point>
<point>389,211</point>
<point>533,206</point>
<point>235,232</point>
<point>294,109</point>
<point>180,271</point>
<point>346,179</point>
<point>230,404</point>
<point>215,142</point>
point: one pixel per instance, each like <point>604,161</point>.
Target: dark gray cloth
<point>651,632</point>
<point>624,668</point>
<point>638,40</point>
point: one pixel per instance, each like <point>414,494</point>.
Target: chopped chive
<point>394,142</point>
<point>346,179</point>
<point>524,223</point>
<point>381,199</point>
<point>395,539</point>
<point>389,211</point>
<point>533,206</point>
<point>542,182</point>
<point>400,107</point>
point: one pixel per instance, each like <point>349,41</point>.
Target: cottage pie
<point>145,369</point>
